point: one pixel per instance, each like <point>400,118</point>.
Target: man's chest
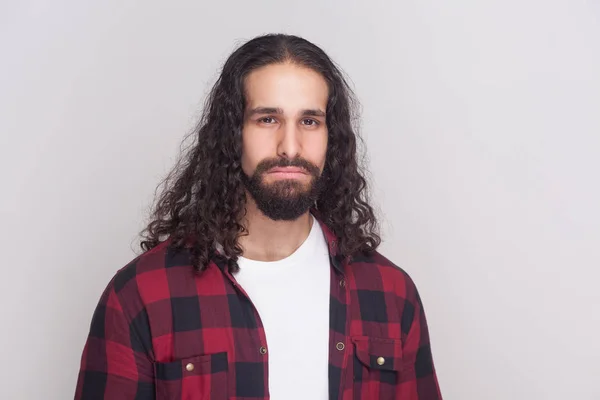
<point>292,301</point>
<point>219,338</point>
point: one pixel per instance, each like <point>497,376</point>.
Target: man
<point>260,277</point>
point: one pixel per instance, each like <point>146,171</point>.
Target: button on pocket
<point>379,353</point>
<point>199,377</point>
<point>378,365</point>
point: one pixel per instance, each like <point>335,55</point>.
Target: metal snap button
<point>380,360</point>
<point>340,346</point>
<point>263,350</point>
<point>343,283</point>
<point>189,367</point>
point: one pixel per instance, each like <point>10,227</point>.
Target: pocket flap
<point>379,353</point>
<point>190,366</point>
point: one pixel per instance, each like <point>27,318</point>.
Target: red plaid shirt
<point>162,331</point>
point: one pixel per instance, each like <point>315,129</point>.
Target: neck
<point>269,240</point>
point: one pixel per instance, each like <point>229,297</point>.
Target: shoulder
<point>146,278</point>
<point>373,271</point>
<point>151,263</point>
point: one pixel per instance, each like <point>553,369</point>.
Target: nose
<point>290,145</point>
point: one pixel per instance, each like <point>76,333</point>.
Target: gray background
<point>482,120</point>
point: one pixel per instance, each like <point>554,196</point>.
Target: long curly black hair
<point>202,200</point>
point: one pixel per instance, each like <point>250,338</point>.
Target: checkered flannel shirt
<point>163,331</point>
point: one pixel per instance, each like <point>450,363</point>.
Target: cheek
<point>246,155</point>
<point>246,164</point>
<point>253,151</point>
<point>319,150</point>
<point>249,161</point>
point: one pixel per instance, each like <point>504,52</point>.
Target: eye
<point>267,120</point>
<point>310,122</point>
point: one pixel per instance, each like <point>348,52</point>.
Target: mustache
<point>297,162</point>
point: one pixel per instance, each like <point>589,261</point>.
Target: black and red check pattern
<point>161,331</point>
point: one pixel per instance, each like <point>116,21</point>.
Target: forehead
<point>286,86</point>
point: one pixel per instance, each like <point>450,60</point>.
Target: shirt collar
<point>337,259</point>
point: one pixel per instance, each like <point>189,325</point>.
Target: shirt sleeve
<point>424,384</point>
<point>115,364</point>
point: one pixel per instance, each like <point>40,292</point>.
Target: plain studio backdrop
<point>482,123</point>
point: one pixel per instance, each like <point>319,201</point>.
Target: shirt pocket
<point>202,377</point>
<point>377,366</point>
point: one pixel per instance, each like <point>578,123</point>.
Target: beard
<point>284,199</point>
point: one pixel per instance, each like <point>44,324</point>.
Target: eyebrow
<point>278,111</point>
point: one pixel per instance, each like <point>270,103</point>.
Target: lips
<point>288,170</point>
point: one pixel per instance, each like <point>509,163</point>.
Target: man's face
<point>284,138</point>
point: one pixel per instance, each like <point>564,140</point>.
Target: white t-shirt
<point>292,299</point>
